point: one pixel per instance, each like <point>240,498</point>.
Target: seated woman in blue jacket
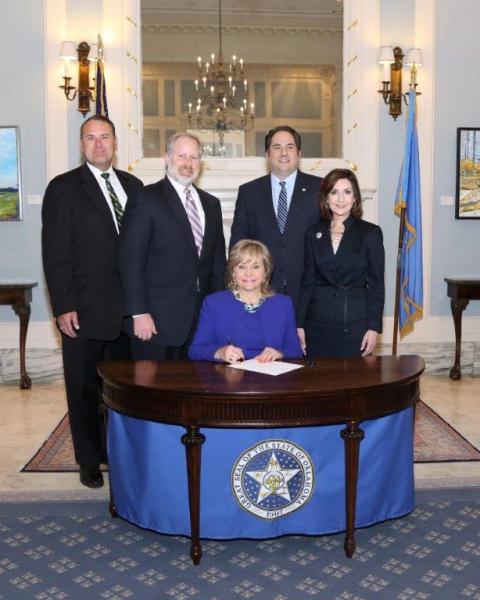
<point>247,320</point>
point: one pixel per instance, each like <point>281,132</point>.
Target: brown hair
<point>288,129</point>
<point>327,186</point>
<point>101,118</point>
<point>243,250</point>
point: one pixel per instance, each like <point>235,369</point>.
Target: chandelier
<point>220,102</point>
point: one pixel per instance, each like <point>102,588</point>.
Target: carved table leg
<point>457,306</point>
<point>111,504</point>
<point>193,441</point>
<point>23,313</point>
<point>352,435</point>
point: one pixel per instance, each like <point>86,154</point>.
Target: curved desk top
<point>208,394</point>
<point>204,394</point>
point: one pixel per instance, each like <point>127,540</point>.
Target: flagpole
<point>397,281</point>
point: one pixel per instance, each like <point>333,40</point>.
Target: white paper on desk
<point>268,368</point>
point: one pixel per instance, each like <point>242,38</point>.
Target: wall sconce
<point>85,93</point>
<point>392,61</point>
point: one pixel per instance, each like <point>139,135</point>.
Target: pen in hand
<point>239,358</point>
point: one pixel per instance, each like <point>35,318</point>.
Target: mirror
<point>292,62</point>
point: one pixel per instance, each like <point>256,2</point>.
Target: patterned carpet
<point>435,441</point>
<point>62,550</point>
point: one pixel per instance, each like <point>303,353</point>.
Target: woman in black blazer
<point>342,295</point>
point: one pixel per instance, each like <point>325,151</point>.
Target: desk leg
<point>112,509</point>
<point>23,313</point>
<point>193,441</point>
<point>457,306</point>
<point>352,435</point>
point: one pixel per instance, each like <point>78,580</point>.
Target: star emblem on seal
<point>273,479</point>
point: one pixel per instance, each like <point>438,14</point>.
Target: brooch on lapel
<point>304,189</point>
<point>318,235</point>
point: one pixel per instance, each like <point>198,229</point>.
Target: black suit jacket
<point>79,247</point>
<point>349,285</point>
<point>160,269</point>
<point>255,219</point>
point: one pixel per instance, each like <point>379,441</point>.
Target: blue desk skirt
<point>259,483</point>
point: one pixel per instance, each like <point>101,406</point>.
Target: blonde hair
<point>242,251</point>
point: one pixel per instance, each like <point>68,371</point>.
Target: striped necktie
<point>193,217</point>
<point>117,207</point>
<point>282,209</point>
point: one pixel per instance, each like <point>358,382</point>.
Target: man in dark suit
<point>278,208</point>
<point>81,214</point>
<point>172,253</point>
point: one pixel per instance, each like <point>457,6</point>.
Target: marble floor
<point>29,416</point>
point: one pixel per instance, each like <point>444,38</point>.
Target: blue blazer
<point>223,318</point>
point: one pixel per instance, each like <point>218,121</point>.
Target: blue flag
<point>408,197</point>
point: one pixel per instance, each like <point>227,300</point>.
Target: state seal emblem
<point>273,478</point>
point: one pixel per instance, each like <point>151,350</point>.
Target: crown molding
<point>258,30</point>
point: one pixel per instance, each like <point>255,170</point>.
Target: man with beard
<point>172,253</point>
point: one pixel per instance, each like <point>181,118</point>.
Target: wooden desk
<point>202,394</point>
<point>19,296</point>
<point>460,292</point>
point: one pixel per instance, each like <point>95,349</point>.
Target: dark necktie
<point>282,209</point>
<point>117,207</point>
<point>194,219</point>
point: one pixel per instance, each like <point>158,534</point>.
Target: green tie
<point>117,207</point>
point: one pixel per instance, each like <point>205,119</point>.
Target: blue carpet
<point>74,550</point>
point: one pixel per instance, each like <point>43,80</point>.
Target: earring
<point>235,284</point>
<point>354,205</point>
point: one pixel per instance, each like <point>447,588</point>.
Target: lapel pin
<point>319,235</point>
<point>304,189</point>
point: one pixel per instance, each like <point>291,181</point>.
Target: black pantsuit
<point>342,294</point>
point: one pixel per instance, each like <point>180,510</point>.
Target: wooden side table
<point>460,292</point>
<point>19,295</point>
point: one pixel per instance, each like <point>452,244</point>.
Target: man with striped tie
<point>277,209</point>
<point>82,216</point>
<point>172,253</point>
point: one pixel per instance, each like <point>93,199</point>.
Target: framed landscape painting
<point>10,200</point>
<point>467,201</point>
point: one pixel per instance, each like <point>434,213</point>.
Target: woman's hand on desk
<point>229,354</point>
<point>369,342</point>
<point>269,354</point>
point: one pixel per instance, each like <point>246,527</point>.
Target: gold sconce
<point>392,61</point>
<point>85,54</point>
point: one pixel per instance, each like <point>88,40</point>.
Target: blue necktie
<point>282,209</point>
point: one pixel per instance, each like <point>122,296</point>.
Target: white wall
<point>454,245</point>
<point>22,103</point>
